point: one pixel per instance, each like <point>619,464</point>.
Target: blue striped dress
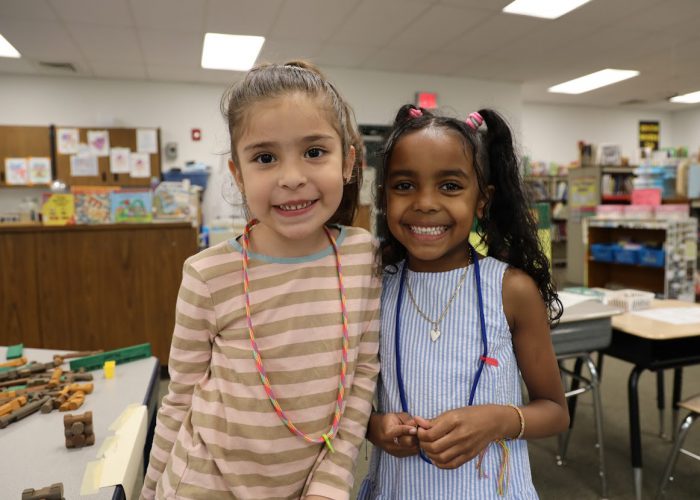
<point>438,377</point>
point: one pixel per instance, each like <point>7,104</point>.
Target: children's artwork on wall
<point>83,165</point>
<point>120,161</point>
<point>16,171</point>
<point>39,170</point>
<point>146,140</point>
<point>140,165</point>
<point>98,140</point>
<point>67,140</point>
<point>132,205</point>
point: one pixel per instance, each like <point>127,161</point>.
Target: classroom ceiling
<point>161,40</point>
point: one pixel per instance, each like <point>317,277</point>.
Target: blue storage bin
<point>652,257</point>
<point>626,255</point>
<point>603,252</point>
<point>196,178</point>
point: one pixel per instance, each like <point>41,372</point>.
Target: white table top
<point>34,454</point>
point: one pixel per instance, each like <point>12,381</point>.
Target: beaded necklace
<point>326,437</point>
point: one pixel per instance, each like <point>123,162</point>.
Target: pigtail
<point>508,226</point>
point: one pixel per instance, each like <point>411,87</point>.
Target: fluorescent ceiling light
<point>691,98</point>
<point>548,9</point>
<point>593,81</point>
<point>232,52</point>
<point>6,48</point>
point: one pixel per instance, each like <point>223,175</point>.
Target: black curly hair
<point>508,226</point>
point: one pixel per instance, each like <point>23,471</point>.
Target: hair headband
<point>474,120</point>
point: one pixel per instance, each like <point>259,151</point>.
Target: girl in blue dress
<point>460,329</point>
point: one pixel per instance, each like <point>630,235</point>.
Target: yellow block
<point>109,369</point>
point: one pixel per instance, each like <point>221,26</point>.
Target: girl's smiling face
<point>290,169</point>
<point>432,198</point>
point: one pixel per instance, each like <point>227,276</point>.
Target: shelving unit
<point>552,189</point>
<point>677,238</point>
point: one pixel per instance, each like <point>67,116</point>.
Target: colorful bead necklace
<point>324,438</point>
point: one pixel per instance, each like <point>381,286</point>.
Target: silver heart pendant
<point>434,334</point>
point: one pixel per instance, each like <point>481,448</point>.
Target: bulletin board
<point>118,138</point>
<point>17,141</point>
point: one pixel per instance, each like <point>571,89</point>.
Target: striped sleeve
<point>190,356</point>
<point>334,476</point>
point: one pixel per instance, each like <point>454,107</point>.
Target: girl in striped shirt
<point>460,328</point>
<point>273,362</point>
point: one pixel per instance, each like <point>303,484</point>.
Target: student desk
<point>33,449</point>
<point>583,328</point>
<point>652,345</point>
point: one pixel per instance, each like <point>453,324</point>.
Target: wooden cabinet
<point>23,142</point>
<point>92,287</point>
<point>672,277</point>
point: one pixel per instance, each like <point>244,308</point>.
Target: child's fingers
<point>423,423</point>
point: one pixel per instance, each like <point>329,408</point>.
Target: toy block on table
<point>14,351</point>
<point>53,492</point>
<point>78,430</point>
<point>123,355</point>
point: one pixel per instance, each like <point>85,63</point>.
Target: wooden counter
<point>92,287</point>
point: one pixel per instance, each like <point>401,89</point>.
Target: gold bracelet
<point>522,421</point>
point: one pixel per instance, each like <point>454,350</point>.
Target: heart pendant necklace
<point>435,323</point>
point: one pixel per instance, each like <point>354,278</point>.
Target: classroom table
<point>652,345</point>
<point>33,449</point>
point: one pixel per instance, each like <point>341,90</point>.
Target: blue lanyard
<point>397,336</point>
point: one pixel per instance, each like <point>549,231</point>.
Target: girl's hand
<point>395,433</point>
<point>455,437</point>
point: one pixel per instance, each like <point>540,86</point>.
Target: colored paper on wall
<point>98,140</point>
<point>67,140</point>
<point>120,160</point>
<point>39,170</point>
<point>16,171</point>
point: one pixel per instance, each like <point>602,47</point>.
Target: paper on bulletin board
<point>120,456</point>
<point>120,160</point>
<point>83,165</point>
<point>140,165</point>
<point>39,170</point>
<point>98,140</point>
<point>67,140</point>
<point>16,171</point>
<point>146,140</point>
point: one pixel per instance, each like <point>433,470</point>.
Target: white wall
<point>686,129</point>
<point>177,108</point>
<point>551,133</point>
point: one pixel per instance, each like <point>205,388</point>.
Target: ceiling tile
<point>368,26</point>
<point>311,20</point>
<point>279,50</point>
<point>438,26</point>
<point>118,44</point>
<point>347,56</point>
<point>393,60</point>
<point>30,10</point>
<point>169,15</point>
<point>107,12</point>
<point>166,47</point>
<point>40,40</point>
<point>241,17</point>
<point>102,69</point>
<point>494,31</point>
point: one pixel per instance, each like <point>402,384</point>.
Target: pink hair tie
<point>415,113</point>
<point>474,120</point>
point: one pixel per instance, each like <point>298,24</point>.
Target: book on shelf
<point>57,209</point>
<point>131,205</point>
<point>92,204</point>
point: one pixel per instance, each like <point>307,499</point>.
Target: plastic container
<point>638,211</point>
<point>196,178</point>
<point>629,299</point>
<point>609,211</point>
<point>672,211</point>
<point>626,254</point>
<point>603,252</point>
<point>651,257</point>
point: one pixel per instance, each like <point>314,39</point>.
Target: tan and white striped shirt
<point>217,435</point>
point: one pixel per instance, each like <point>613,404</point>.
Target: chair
<point>693,406</point>
<point>590,384</point>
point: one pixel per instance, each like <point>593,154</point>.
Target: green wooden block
<point>14,351</point>
<point>123,355</point>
